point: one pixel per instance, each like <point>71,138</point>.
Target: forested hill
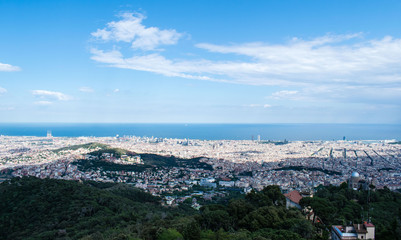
<point>149,160</point>
<point>341,205</point>
<point>32,208</point>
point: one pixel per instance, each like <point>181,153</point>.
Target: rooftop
<point>294,196</point>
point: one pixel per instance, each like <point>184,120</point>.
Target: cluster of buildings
<point>353,232</point>
<point>297,167</point>
<point>244,163</point>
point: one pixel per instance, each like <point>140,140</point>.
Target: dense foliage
<point>302,168</point>
<point>32,208</point>
<point>163,161</point>
<point>97,164</point>
<point>150,161</point>
<point>341,205</point>
<point>86,146</point>
<point>117,152</point>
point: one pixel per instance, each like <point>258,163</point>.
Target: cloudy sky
<point>200,61</point>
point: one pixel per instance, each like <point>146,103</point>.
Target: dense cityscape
<point>298,165</point>
<point>200,171</point>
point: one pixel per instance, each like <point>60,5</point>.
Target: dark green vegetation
<point>86,146</point>
<point>150,161</point>
<point>5,174</point>
<point>32,208</point>
<point>340,205</point>
<point>399,142</point>
<point>300,168</point>
<point>386,169</point>
<point>86,165</point>
<point>275,142</point>
<point>117,152</point>
<point>162,161</point>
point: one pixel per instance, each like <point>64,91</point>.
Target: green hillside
<point>85,146</point>
<point>340,205</point>
<point>32,208</point>
<point>117,152</point>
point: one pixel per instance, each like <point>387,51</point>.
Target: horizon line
<point>198,123</point>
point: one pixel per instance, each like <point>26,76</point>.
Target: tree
<point>264,217</point>
<point>321,207</point>
<point>215,219</point>
<point>270,195</point>
<point>170,234</point>
<point>238,209</point>
<point>192,231</point>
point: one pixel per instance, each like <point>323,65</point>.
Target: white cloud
<point>52,95</point>
<point>324,60</point>
<point>314,61</point>
<point>258,105</point>
<point>116,90</point>
<point>43,103</point>
<point>152,63</point>
<point>339,93</point>
<point>6,108</point>
<point>86,89</point>
<point>2,90</point>
<point>8,68</point>
<point>252,105</point>
<point>131,30</point>
<point>284,94</point>
<point>332,68</point>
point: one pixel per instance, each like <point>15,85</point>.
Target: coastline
<point>210,131</point>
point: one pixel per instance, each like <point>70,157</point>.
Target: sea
<point>274,132</point>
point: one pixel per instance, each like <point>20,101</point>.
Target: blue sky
<point>200,61</point>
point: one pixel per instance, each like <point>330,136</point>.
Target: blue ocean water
<point>210,131</point>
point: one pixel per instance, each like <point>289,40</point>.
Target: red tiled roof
<point>294,196</point>
<point>368,224</point>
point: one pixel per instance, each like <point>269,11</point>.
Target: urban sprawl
<point>240,165</point>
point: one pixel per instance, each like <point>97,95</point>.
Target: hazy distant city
<point>242,165</point>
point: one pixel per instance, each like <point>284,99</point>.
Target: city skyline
<point>200,62</point>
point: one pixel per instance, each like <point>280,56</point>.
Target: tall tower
<point>49,134</point>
